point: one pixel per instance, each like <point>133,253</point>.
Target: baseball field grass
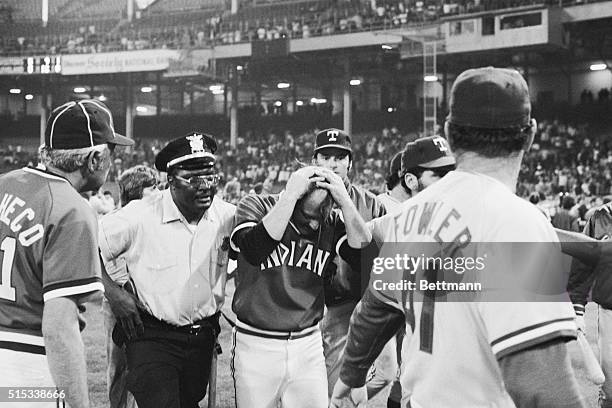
<point>93,337</point>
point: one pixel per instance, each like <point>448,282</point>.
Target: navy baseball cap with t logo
<point>333,138</point>
<point>81,124</point>
<point>428,152</point>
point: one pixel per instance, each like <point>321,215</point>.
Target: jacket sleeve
<point>582,275</point>
<point>373,324</point>
<point>249,236</point>
<point>255,243</point>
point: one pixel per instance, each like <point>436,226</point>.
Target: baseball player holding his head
<point>285,246</point>
<point>471,354</point>
<point>333,151</point>
<point>49,252</point>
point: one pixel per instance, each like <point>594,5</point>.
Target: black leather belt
<point>280,336</point>
<point>194,329</point>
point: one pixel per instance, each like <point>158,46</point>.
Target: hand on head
<point>302,181</point>
<point>334,184</point>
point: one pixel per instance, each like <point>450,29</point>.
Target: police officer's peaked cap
<point>194,147</point>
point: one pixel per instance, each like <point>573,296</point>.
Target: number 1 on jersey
<point>7,247</point>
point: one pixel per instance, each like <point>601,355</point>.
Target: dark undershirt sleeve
<point>373,324</point>
<point>359,258</point>
<point>255,243</point>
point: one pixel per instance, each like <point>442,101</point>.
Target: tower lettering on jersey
<point>428,214</point>
<point>431,222</point>
<point>8,205</point>
<point>408,221</point>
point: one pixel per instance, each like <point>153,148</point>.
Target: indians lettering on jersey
<point>299,255</point>
<point>13,214</point>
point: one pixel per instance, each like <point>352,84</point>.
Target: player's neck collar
<point>42,170</point>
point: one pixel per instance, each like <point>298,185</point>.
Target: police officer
<point>175,247</point>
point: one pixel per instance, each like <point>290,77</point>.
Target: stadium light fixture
<point>430,78</point>
<point>141,109</point>
<point>217,91</point>
<point>283,85</point>
<point>239,67</point>
<point>598,67</point>
<point>386,47</point>
<point>102,98</point>
<point>278,104</point>
<point>355,82</point>
<point>79,89</point>
<point>299,103</point>
<point>214,88</point>
<point>15,91</point>
<point>29,97</point>
<point>146,89</point>
<point>318,101</point>
<point>391,109</point>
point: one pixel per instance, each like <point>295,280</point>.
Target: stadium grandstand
<point>291,86</point>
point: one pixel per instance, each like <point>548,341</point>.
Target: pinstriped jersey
<point>285,292</point>
<point>451,358</point>
<point>48,249</point>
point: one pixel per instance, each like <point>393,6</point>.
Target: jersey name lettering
<point>12,215</point>
<point>430,221</point>
<point>297,256</point>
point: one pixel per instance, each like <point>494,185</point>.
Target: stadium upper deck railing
<point>141,38</point>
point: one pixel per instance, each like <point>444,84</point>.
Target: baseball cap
<point>193,147</point>
<point>493,98</point>
<point>428,152</point>
<point>333,138</point>
<point>81,124</point>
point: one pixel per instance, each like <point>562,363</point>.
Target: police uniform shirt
<point>179,270</point>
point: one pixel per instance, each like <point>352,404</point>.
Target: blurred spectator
<point>137,182</point>
<point>101,203</point>
<point>563,219</point>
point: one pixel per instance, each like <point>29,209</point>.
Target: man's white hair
<point>68,160</point>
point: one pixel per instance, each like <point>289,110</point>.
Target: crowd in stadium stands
<point>567,171</point>
<point>220,27</point>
